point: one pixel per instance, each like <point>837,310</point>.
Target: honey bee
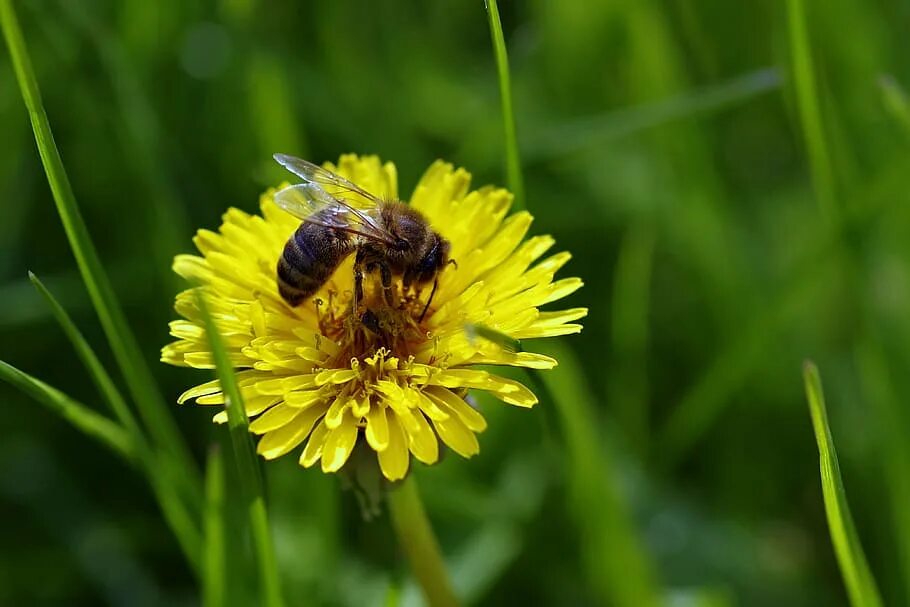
<point>339,218</point>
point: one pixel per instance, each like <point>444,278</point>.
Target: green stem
<point>419,543</point>
<point>861,586</point>
<point>251,484</point>
<point>513,161</point>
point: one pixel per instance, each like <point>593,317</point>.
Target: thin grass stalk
<point>513,160</point>
<point>415,534</point>
<point>861,586</point>
<point>123,342</point>
<point>250,478</point>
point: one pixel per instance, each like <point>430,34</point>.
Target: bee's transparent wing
<point>335,185</point>
<point>309,202</point>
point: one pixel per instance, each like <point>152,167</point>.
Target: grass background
<point>732,180</point>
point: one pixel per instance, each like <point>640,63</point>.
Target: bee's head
<point>435,259</point>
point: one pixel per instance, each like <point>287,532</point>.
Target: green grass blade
<point>123,343</point>
<point>214,578</point>
<point>810,114</point>
<point>96,370</point>
<point>857,577</point>
<point>248,469</point>
<point>91,423</point>
<point>513,160</point>
<point>617,566</point>
<point>160,474</point>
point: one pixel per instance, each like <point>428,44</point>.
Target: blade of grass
<point>214,580</point>
<point>513,160</point>
<point>248,469</point>
<point>810,114</point>
<point>95,425</point>
<point>859,581</point>
<point>616,564</point>
<point>160,474</point>
<point>123,342</point>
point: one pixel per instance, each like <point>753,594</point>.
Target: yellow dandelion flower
<point>319,376</point>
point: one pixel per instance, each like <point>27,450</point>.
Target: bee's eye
<point>402,244</point>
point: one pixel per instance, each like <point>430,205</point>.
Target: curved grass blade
<point>513,160</point>
<point>160,474</point>
<point>250,479</point>
<point>859,581</point>
<point>122,341</point>
<point>214,579</point>
<point>95,425</point>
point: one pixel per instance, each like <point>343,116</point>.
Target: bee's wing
<point>309,202</point>
<point>335,185</point>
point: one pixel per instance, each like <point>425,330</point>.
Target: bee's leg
<point>385,275</point>
<point>427,306</point>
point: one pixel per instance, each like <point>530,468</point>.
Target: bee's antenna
<point>432,293</point>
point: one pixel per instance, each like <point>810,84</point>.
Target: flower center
<point>386,319</point>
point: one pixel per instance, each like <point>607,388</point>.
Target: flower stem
<point>416,537</point>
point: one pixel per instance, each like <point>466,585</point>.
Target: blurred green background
<point>725,229</point>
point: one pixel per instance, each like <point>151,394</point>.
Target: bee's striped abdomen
<point>308,260</point>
